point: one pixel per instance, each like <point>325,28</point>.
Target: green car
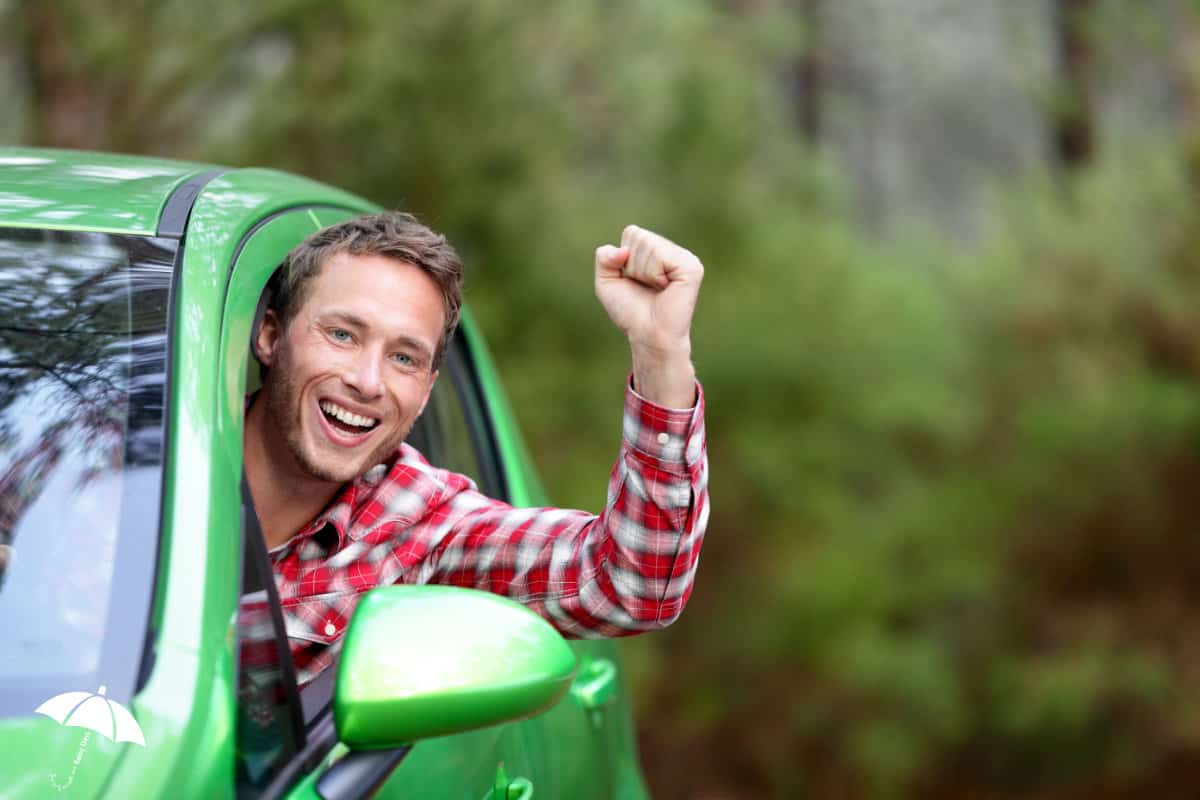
<point>142,653</point>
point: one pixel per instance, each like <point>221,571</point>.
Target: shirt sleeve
<point>629,569</point>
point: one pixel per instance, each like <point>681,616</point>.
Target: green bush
<point>968,557</point>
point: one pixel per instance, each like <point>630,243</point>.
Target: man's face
<point>352,371</point>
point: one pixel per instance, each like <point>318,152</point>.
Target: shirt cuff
<point>667,435</point>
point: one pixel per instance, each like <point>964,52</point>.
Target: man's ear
<point>266,338</point>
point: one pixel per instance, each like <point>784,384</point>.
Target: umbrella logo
<point>93,712</point>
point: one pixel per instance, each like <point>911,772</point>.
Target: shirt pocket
<point>320,618</point>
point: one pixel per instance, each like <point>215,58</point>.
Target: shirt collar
<point>345,508</point>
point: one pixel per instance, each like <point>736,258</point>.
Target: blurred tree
<point>136,77</point>
<point>1075,127</point>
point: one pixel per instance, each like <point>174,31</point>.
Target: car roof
<point>111,193</point>
<point>75,190</point>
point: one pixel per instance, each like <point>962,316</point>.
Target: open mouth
<point>346,421</point>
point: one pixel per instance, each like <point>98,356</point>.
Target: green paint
<point>65,190</point>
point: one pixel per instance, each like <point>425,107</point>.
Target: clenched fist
<point>649,286</point>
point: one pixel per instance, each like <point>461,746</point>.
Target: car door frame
<point>257,256</point>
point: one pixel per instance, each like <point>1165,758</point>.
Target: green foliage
<point>954,486</point>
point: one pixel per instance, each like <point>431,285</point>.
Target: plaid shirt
<point>627,570</point>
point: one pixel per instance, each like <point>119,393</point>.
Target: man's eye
<point>340,335</point>
<point>403,359</point>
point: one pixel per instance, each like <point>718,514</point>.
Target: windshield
<point>82,372</point>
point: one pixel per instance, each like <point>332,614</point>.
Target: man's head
<point>393,234</point>
<point>355,328</point>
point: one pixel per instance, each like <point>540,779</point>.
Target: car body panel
<point>186,714</point>
<point>68,190</point>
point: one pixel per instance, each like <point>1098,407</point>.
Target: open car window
<point>452,433</point>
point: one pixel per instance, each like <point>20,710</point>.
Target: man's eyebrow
<point>346,317</point>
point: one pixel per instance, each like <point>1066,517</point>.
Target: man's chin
<point>323,461</point>
<point>340,471</point>
<point>328,469</point>
<point>337,468</point>
<point>337,476</point>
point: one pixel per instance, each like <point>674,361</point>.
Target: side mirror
<point>424,661</point>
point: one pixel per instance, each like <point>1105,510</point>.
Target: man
<point>351,341</point>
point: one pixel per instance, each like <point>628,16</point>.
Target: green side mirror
<point>422,661</point>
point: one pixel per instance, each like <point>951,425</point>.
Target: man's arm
<point>630,568</point>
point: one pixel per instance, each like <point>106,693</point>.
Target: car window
<point>453,432</point>
<point>83,344</point>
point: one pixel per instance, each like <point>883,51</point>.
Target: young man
<point>355,328</point>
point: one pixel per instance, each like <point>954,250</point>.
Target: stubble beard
<point>284,413</point>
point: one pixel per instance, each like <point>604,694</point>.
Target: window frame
<point>493,480</point>
<point>309,748</point>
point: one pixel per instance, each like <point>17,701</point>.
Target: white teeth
<point>347,417</point>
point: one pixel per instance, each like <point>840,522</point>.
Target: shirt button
<point>663,438</point>
<point>330,629</point>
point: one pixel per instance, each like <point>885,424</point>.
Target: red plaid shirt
<point>627,570</point>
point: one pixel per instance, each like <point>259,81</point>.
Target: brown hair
<point>394,234</point>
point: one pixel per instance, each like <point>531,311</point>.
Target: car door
<point>464,765</point>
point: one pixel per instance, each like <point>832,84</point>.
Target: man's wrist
<point>664,375</point>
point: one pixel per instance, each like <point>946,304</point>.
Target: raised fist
<point>649,287</point>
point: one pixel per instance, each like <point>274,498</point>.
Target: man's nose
<point>364,375</point>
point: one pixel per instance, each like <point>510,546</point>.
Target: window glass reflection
<point>82,354</point>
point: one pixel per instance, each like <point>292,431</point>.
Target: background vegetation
<point>953,391</point>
